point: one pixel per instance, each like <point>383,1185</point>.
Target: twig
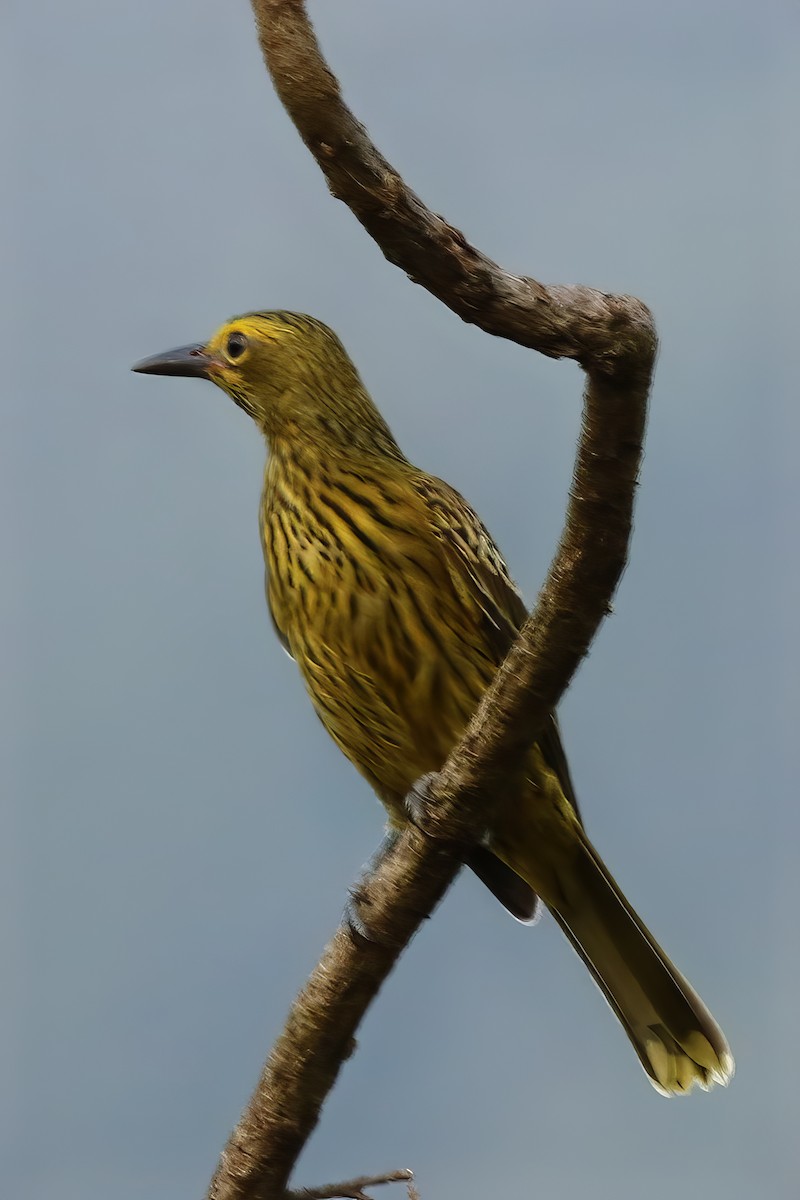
<point>614,340</point>
<point>353,1189</point>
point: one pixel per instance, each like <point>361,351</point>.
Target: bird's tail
<point>678,1041</point>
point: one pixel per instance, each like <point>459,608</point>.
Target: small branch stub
<point>353,1189</point>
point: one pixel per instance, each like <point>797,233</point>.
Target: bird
<point>386,588</point>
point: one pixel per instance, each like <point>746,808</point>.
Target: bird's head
<point>289,372</point>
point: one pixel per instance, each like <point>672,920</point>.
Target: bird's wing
<point>477,568</point>
<point>475,565</point>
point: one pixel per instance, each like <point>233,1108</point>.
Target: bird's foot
<point>424,810</point>
<point>420,805</point>
<point>356,910</point>
<point>354,921</point>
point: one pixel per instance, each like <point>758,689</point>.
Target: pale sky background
<point>178,832</point>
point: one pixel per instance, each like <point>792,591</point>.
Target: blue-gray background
<point>178,833</point>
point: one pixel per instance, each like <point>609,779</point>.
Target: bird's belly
<point>392,698</point>
<point>395,679</point>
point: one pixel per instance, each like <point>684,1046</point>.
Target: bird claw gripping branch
<point>420,805</point>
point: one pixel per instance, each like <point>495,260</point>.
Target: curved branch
<point>614,340</point>
<point>601,332</point>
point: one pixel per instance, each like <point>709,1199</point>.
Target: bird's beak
<point>192,361</point>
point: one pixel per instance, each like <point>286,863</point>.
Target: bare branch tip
<point>353,1189</point>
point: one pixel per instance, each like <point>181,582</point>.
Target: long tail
<point>678,1041</point>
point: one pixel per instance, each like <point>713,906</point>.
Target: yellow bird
<point>391,596</point>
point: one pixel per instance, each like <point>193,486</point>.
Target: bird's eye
<point>236,346</point>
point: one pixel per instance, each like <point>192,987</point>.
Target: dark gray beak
<point>191,361</point>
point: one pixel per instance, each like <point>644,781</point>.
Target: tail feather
<point>677,1040</point>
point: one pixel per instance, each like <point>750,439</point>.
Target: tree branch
<point>613,338</point>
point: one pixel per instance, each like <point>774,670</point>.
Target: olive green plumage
<point>398,608</point>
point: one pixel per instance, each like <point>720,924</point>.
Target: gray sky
<point>179,833</point>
